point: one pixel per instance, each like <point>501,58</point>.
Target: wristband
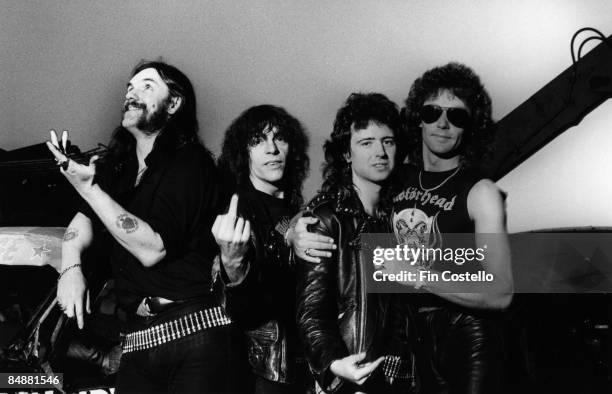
<point>66,270</point>
<point>283,226</point>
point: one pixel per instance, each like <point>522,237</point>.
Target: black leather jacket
<point>263,303</point>
<point>336,316</point>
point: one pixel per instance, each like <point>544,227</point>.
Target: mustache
<point>133,103</point>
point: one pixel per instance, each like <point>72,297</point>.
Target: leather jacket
<point>263,303</point>
<point>336,316</point>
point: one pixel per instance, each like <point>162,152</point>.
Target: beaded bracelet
<point>66,270</point>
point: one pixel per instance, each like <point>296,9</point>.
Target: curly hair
<point>357,112</point>
<point>463,83</point>
<point>181,127</point>
<point>248,127</point>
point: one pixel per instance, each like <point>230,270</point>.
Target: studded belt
<point>396,367</point>
<point>174,329</point>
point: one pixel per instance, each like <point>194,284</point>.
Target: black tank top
<point>428,205</point>
<point>437,201</point>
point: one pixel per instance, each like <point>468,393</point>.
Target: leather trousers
<point>458,352</point>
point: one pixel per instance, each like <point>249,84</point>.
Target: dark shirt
<point>263,303</point>
<point>275,273</point>
<point>179,197</point>
<point>268,209</point>
<point>440,206</point>
<point>270,282</point>
<point>429,209</point>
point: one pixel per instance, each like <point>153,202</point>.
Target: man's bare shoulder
<point>485,198</point>
<point>485,187</point>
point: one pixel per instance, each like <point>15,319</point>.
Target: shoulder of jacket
<point>320,202</point>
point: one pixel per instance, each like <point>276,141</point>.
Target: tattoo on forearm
<point>70,234</point>
<point>127,223</point>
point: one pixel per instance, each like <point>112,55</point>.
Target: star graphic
<point>38,252</point>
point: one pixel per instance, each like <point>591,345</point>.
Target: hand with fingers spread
<point>232,234</point>
<point>352,369</point>
<point>73,295</point>
<point>79,175</point>
<point>307,245</point>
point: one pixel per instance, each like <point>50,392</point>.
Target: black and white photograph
<point>310,197</point>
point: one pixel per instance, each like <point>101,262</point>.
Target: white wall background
<point>64,64</point>
<point>568,183</point>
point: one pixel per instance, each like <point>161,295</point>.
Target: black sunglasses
<point>459,117</point>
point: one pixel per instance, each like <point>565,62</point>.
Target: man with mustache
<point>447,119</point>
<point>156,194</point>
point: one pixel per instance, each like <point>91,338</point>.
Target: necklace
<point>139,175</point>
<point>442,183</point>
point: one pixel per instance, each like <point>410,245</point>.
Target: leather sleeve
<point>317,310</point>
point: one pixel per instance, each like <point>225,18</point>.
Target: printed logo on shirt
<point>425,198</point>
<point>414,228</point>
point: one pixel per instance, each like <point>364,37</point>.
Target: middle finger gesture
<point>232,234</point>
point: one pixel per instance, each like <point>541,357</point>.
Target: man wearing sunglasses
<point>447,118</point>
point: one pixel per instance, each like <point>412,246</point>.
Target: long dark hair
<point>181,127</point>
<point>462,82</point>
<point>357,112</point>
<point>234,157</point>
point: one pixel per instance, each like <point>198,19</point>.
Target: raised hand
<point>79,175</point>
<point>350,368</point>
<point>232,234</point>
